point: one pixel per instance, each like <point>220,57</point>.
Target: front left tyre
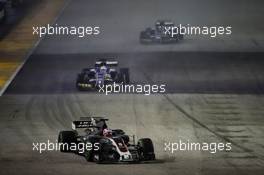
<point>66,139</point>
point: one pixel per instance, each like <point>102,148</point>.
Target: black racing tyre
<point>146,41</point>
<point>96,157</point>
<point>113,75</point>
<point>124,76</point>
<point>144,38</point>
<point>146,149</point>
<point>118,132</point>
<point>78,80</point>
<point>65,139</point>
<point>142,35</point>
<point>88,155</point>
<point>180,37</point>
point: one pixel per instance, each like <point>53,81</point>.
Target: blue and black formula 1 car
<point>104,73</point>
<point>160,34</point>
<point>106,145</point>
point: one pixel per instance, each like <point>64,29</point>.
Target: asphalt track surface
<point>193,72</point>
<point>212,97</point>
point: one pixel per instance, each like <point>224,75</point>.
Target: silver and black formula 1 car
<point>162,33</point>
<point>103,73</point>
<point>116,147</point>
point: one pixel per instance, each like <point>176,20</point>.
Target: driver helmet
<point>107,132</point>
<point>103,68</point>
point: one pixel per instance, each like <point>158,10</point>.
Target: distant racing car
<point>104,73</point>
<point>112,146</point>
<point>160,34</point>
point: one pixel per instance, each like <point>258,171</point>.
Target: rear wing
<point>108,63</point>
<point>87,122</point>
<point>164,22</point>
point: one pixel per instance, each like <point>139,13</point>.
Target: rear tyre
<point>96,158</point>
<point>124,76</point>
<point>88,155</point>
<point>146,149</point>
<point>144,39</point>
<point>118,132</point>
<point>65,139</point>
<point>180,37</point>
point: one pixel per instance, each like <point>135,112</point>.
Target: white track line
<point>31,51</point>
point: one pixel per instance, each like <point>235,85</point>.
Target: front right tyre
<point>124,76</point>
<point>146,149</point>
